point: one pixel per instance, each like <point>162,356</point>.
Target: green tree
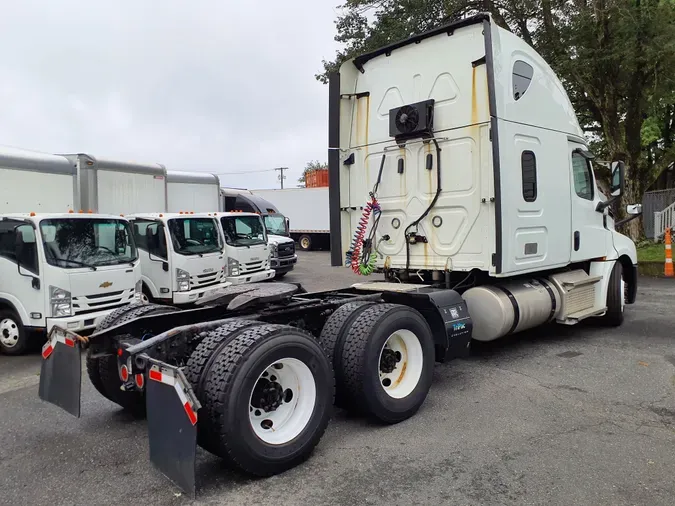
<point>616,59</point>
<point>313,165</point>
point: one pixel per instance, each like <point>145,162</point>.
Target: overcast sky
<point>216,86</point>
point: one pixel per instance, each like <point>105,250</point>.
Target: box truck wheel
<point>272,391</point>
<point>388,362</point>
<point>197,369</point>
<point>13,337</point>
<point>616,298</point>
<point>102,371</point>
<point>305,242</point>
<point>332,339</point>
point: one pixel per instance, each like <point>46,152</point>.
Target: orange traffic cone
<point>669,256</point>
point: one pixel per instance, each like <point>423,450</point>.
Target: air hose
<point>363,262</point>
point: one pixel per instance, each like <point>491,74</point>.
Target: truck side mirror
<point>19,251</point>
<point>634,209</point>
<point>288,225</point>
<point>617,185</point>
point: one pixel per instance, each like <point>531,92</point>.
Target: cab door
<point>589,235</point>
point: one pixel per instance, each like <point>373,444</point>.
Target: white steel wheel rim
<point>9,332</point>
<point>623,294</point>
<point>287,416</point>
<point>304,242</point>
<point>401,362</point>
<point>144,299</point>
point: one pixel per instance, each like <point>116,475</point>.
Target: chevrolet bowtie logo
<point>105,284</point>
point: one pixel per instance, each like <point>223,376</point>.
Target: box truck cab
<point>182,256</point>
<point>247,248</point>
<point>68,270</point>
<point>283,256</point>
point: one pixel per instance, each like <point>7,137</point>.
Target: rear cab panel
<point>462,237</point>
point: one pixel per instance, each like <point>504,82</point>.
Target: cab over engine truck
<point>459,171</point>
<point>58,267</point>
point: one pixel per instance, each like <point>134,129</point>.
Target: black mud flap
<point>61,371</point>
<point>172,424</point>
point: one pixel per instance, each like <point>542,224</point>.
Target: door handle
<point>577,240</point>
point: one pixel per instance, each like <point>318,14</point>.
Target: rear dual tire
<point>384,356</point>
<point>266,392</point>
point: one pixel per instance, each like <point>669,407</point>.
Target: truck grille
<point>286,249</point>
<point>252,267</point>
<point>204,280</point>
<point>102,301</point>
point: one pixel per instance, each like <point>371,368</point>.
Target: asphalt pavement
<point>556,416</point>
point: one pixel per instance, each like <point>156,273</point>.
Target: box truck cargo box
<point>36,182</point>
<point>192,191</point>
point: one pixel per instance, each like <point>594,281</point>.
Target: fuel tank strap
<point>516,309</point>
<point>543,283</point>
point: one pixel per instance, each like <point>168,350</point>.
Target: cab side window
<point>583,178</point>
<point>150,237</point>
<point>17,236</point>
<point>522,77</point>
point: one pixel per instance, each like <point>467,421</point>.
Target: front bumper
<point>195,294</point>
<point>284,264</point>
<point>253,277</point>
<point>80,323</point>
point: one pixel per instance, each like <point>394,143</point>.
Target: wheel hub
<point>267,395</point>
<point>9,333</point>
<point>388,360</point>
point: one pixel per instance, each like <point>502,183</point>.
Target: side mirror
<point>634,209</point>
<point>617,185</point>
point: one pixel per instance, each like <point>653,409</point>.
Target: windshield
<point>73,243</point>
<point>276,224</point>
<point>194,236</point>
<point>243,230</point>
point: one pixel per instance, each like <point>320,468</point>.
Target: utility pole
<point>281,176</point>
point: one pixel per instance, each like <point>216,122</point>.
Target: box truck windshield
<point>77,242</point>
<point>276,224</point>
<point>243,230</point>
<point>194,236</point>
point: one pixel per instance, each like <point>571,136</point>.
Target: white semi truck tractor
<point>461,182</point>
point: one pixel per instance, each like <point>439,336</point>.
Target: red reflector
<point>47,351</point>
<point>190,413</point>
<point>70,342</point>
<point>124,373</point>
<point>140,380</point>
<point>155,375</point>
<point>119,352</point>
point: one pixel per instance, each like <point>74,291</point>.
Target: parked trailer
<point>307,213</point>
<point>480,209</point>
<point>198,192</point>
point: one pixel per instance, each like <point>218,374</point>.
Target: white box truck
<point>57,267</point>
<point>282,246</point>
<point>198,192</point>
<point>480,210</point>
<point>182,256</point>
<point>307,212</point>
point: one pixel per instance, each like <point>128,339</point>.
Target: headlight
<point>183,278</point>
<point>274,250</point>
<point>138,290</point>
<point>233,266</point>
<point>61,302</point>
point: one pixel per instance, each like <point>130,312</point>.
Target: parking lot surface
<point>555,416</point>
